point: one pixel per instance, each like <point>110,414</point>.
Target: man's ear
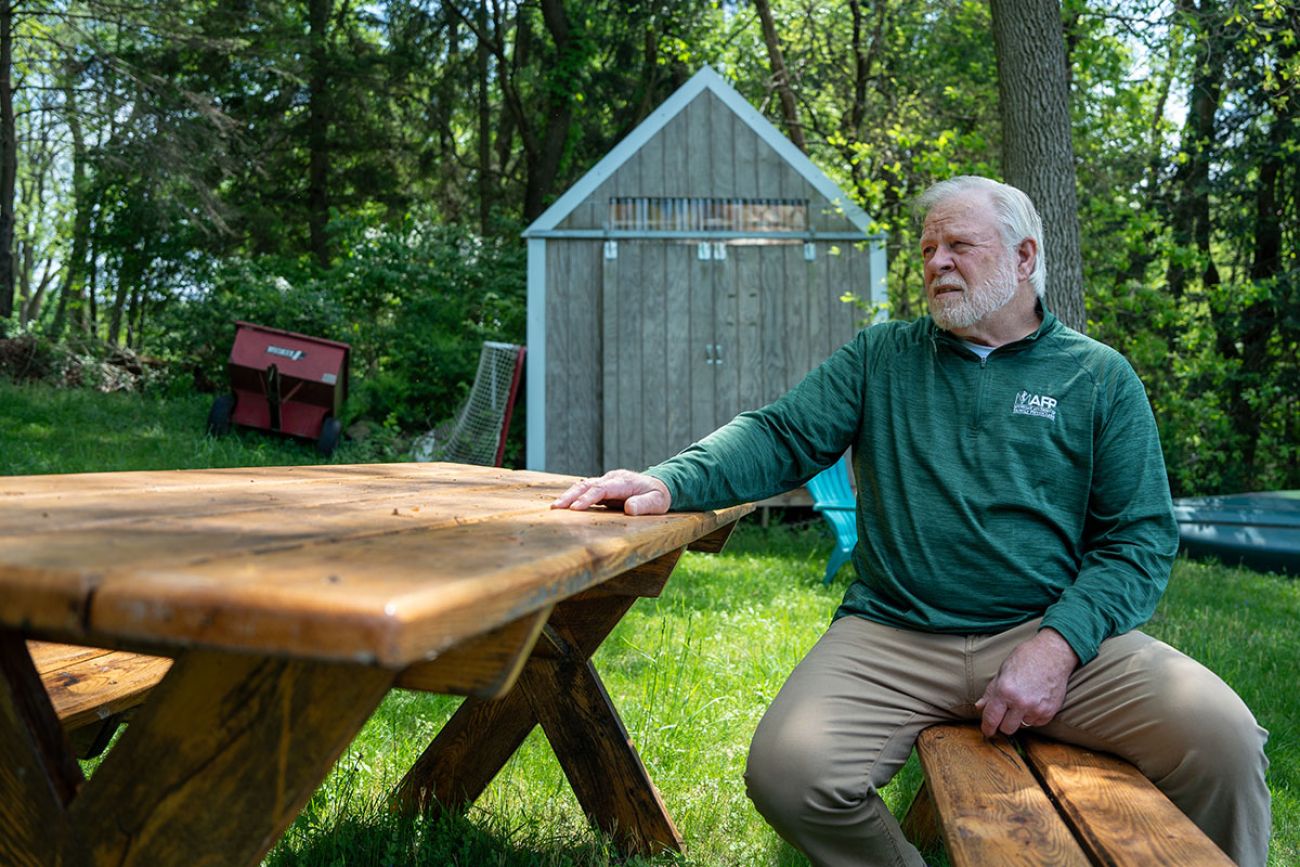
<point>1026,258</point>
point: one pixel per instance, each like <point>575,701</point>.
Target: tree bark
<point>318,121</point>
<point>71,291</point>
<point>481,53</point>
<point>1037,151</point>
<point>780,76</point>
<point>8,158</point>
<point>545,167</point>
<point>1190,216</point>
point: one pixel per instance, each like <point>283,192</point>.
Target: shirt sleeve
<point>1130,536</point>
<point>767,451</point>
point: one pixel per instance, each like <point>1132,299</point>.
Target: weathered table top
<point>386,564</point>
<point>292,600</point>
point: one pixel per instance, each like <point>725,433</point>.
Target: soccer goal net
<point>476,434</point>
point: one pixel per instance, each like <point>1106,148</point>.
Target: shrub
<point>414,301</point>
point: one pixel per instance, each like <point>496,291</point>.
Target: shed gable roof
<point>705,79</point>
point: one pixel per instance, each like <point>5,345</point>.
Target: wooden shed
<point>695,272</point>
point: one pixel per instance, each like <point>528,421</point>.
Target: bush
<point>415,301</point>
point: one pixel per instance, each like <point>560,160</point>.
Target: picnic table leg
<point>560,689</point>
<point>40,776</point>
<point>223,756</point>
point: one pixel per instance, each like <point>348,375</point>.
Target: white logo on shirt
<point>1039,405</point>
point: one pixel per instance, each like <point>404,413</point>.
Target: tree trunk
<point>71,290</point>
<point>545,168</point>
<point>8,158</point>
<point>318,121</point>
<point>481,52</point>
<point>1037,152</point>
<point>780,77</point>
<point>1190,217</point>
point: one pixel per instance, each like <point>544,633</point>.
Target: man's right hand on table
<point>636,493</point>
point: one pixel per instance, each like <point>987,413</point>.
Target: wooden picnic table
<point>292,599</point>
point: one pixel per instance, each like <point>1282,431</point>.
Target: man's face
<point>969,271</point>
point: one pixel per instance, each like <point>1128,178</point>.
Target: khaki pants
<point>846,720</point>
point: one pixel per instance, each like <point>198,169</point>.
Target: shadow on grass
<point>378,838</point>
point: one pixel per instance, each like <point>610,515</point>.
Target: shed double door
<point>690,341</point>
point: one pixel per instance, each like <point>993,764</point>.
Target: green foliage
<point>414,300</point>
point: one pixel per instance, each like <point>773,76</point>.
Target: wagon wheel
<point>219,416</point>
<point>331,431</point>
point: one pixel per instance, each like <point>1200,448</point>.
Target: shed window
<point>678,214</point>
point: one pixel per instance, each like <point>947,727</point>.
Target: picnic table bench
<point>266,612</point>
<point>94,690</point>
<point>1030,800</point>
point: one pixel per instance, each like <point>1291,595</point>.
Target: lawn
<point>690,671</point>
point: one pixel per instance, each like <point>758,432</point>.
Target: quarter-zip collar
<point>1046,328</point>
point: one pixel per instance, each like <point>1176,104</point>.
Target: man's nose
<point>940,260</point>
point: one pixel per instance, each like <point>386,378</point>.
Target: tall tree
<point>318,129</point>
<point>8,157</point>
<point>1037,151</point>
<point>780,74</point>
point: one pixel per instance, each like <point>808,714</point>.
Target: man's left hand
<point>1030,686</point>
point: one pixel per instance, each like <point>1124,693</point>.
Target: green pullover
<point>989,492</point>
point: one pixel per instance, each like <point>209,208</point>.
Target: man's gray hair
<point>1017,217</point>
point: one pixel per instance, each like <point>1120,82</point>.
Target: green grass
<point>49,430</point>
<point>691,671</point>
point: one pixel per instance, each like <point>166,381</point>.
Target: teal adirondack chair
<point>833,496</point>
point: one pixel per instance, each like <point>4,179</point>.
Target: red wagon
<point>284,382</point>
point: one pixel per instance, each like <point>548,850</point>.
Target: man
<point>1015,527</point>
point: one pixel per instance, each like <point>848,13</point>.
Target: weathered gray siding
<point>630,340</point>
<point>573,347</point>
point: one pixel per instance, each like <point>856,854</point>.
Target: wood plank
<point>1119,816</point>
<point>654,395</point>
<point>774,336</point>
<point>679,346</point>
<point>727,335</point>
<point>797,355</point>
<point>720,179</point>
<point>304,509</point>
<point>629,449</point>
<point>46,771</point>
<point>921,825</point>
<point>577,419</point>
<point>744,154</point>
<point>714,542</point>
<point>484,667</point>
<point>702,277</point>
<point>369,570</point>
<point>697,144</point>
<point>50,656</point>
<point>613,313</point>
<point>597,755</point>
<point>395,599</point>
<point>748,354</point>
<point>247,741</point>
<point>467,753</point>
<point>993,810</point>
<point>648,579</point>
<point>103,686</point>
<point>36,828</point>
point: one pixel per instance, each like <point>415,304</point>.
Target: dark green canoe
<point>1260,530</point>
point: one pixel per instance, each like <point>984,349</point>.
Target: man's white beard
<point>953,311</point>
